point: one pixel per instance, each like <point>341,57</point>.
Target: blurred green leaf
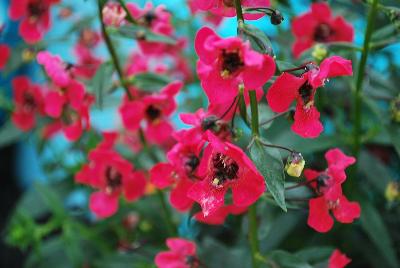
<point>375,228</point>
<point>283,259</point>
<point>102,81</point>
<point>149,82</point>
<point>315,254</point>
<point>142,33</point>
<point>258,39</point>
<point>268,161</point>
<point>9,133</point>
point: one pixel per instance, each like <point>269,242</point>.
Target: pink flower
<point>288,88</point>
<point>226,8</point>
<point>113,14</point>
<point>35,16</point>
<point>87,63</point>
<point>55,68</point>
<point>181,254</point>
<point>70,108</point>
<point>208,16</point>
<point>155,110</point>
<point>319,26</point>
<point>327,184</point>
<point>338,260</point>
<point>219,216</point>
<point>4,55</point>
<point>113,176</point>
<point>224,64</point>
<point>225,166</point>
<point>28,100</point>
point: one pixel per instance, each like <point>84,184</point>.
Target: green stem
<point>128,13</point>
<point>167,214</point>
<point>360,79</point>
<point>239,11</point>
<point>113,53</point>
<point>253,238</point>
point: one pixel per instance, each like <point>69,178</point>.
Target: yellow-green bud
<point>395,109</point>
<point>392,191</point>
<point>295,164</point>
<point>319,52</point>
<point>28,55</point>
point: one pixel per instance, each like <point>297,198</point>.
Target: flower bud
<point>319,52</point>
<point>392,191</point>
<point>28,55</point>
<point>113,14</point>
<point>295,164</point>
<point>395,109</point>
<point>276,17</point>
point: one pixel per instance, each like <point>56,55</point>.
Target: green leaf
<point>149,82</point>
<point>374,171</point>
<point>268,161</point>
<point>9,134</point>
<point>315,254</point>
<point>280,258</point>
<point>265,113</point>
<point>284,65</point>
<point>258,39</point>
<point>376,230</point>
<point>394,134</point>
<point>142,33</point>
<point>102,81</point>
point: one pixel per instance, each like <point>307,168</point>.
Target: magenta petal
<point>203,45</point>
<point>209,198</point>
<point>347,211</point>
<point>54,103</point>
<point>256,76</point>
<point>103,205</point>
<point>134,186</point>
<point>30,31</point>
<point>161,175</point>
<point>248,189</point>
<point>183,246</point>
<point>306,122</point>
<point>338,260</point>
<point>318,217</point>
<point>179,198</point>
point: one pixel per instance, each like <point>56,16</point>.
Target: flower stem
<point>275,117</point>
<point>239,11</point>
<point>112,52</point>
<point>128,13</point>
<point>253,238</point>
<point>167,214</point>
<point>360,79</point>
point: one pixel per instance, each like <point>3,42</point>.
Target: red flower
<point>4,55</point>
<point>224,64</point>
<point>288,87</point>
<point>208,16</point>
<point>225,166</point>
<point>155,109</point>
<point>87,64</point>
<point>35,16</point>
<point>318,25</point>
<point>226,8</point>
<point>113,176</point>
<point>113,14</point>
<point>182,254</point>
<point>28,101</point>
<point>55,68</point>
<point>327,184</point>
<point>338,260</point>
<point>219,216</point>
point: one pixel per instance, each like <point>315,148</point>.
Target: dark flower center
<point>191,163</point>
<point>153,113</point>
<point>225,168</point>
<point>228,3</point>
<point>322,33</point>
<point>29,103</point>
<point>36,8</point>
<point>209,123</point>
<point>306,92</point>
<point>149,18</point>
<point>322,182</point>
<point>192,261</point>
<point>231,62</point>
<point>113,179</point>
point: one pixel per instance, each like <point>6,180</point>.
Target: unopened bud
<point>392,191</point>
<point>295,164</point>
<point>28,55</point>
<point>113,14</point>
<point>319,52</point>
<point>276,17</point>
<point>395,109</point>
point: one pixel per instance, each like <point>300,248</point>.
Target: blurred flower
<point>288,87</point>
<point>392,191</point>
<point>55,68</point>
<point>319,26</point>
<point>220,215</point>
<point>35,15</point>
<point>226,8</point>
<point>395,109</point>
<point>4,55</point>
<point>28,100</point>
<point>338,260</point>
<point>113,176</point>
<point>225,166</point>
<point>182,254</point>
<point>327,184</point>
<point>113,14</point>
<point>295,164</point>
<point>224,64</point>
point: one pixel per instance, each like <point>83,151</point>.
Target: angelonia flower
<point>220,215</point>
<point>28,101</point>
<point>328,186</point>
<point>288,87</point>
<point>181,253</point>
<point>207,16</point>
<point>35,17</point>
<point>225,166</point>
<point>338,260</point>
<point>112,176</point>
<point>113,14</point>
<point>226,8</point>
<point>4,55</point>
<point>226,65</point>
<point>319,26</point>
